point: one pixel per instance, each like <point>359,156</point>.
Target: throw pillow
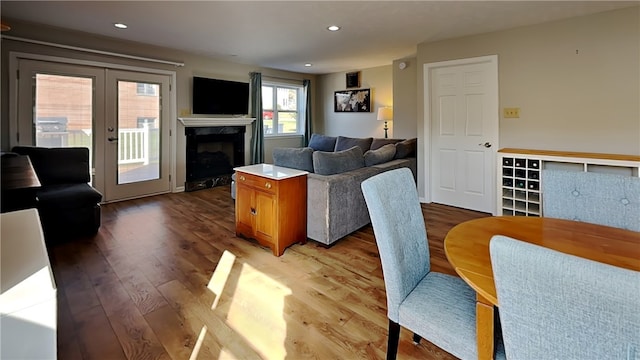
<point>378,143</point>
<point>295,158</point>
<point>379,156</point>
<point>406,148</point>
<point>322,142</point>
<point>329,163</point>
<point>344,143</point>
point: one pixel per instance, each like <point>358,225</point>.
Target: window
<point>145,120</point>
<point>146,89</point>
<point>282,109</point>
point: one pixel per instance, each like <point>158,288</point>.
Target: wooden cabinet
<point>271,205</point>
<point>520,174</point>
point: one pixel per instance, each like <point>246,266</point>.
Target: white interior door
<point>137,146</point>
<point>464,121</point>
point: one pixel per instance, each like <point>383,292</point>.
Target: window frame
<point>147,89</point>
<point>300,111</point>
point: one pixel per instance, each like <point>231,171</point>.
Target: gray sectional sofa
<point>337,166</point>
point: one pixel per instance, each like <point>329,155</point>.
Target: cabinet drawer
<point>257,182</point>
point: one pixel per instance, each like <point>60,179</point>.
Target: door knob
<point>112,138</point>
<point>487,144</point>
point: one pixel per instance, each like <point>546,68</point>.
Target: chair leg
<point>394,337</point>
<point>416,339</point>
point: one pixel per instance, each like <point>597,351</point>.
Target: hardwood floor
<point>166,278</point>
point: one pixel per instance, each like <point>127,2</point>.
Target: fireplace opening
<point>212,153</point>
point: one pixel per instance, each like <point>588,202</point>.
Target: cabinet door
<point>265,217</point>
<point>244,209</point>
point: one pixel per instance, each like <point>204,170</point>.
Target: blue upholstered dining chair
<point>438,307</point>
<point>559,306</point>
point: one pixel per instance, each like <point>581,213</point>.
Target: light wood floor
<point>166,278</point>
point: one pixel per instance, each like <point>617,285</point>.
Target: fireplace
<point>212,153</point>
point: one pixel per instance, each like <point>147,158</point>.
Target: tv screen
<point>220,97</point>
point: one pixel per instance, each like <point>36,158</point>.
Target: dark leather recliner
<point>69,207</point>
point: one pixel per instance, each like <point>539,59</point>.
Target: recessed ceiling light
<point>333,28</point>
<point>308,64</point>
<point>120,25</point>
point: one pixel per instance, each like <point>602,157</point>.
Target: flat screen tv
<point>220,97</point>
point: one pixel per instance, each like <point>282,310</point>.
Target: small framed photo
<point>353,79</point>
<point>352,100</point>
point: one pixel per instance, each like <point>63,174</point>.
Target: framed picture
<point>353,79</point>
<point>352,100</point>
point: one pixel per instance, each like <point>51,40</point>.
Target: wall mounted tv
<point>220,97</point>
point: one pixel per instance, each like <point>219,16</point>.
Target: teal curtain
<point>257,136</point>
<point>307,112</point>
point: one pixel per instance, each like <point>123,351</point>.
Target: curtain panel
<point>257,136</point>
<point>307,112</point>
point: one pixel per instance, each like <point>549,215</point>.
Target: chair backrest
<point>401,235</point>
<point>558,306</point>
<point>605,199</point>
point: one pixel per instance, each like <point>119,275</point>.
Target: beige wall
<point>405,100</point>
<point>575,81</point>
<point>363,124</point>
<point>195,65</point>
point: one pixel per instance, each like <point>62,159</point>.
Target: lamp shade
<point>385,114</point>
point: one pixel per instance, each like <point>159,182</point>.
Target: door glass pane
<point>138,132</point>
<point>63,111</point>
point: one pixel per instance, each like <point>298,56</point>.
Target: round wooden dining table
<point>467,249</point>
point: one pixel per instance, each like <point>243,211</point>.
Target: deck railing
<point>134,145</point>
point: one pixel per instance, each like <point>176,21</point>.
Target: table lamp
<point>385,114</point>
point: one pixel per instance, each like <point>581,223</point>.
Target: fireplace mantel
<point>193,121</point>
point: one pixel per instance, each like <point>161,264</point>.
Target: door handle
<point>487,144</point>
<point>112,138</point>
<point>253,211</point>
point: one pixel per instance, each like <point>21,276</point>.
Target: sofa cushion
<point>322,142</point>
<point>329,163</point>
<point>295,158</point>
<point>406,148</point>
<point>378,143</point>
<point>344,143</point>
<point>381,155</point>
<point>68,196</point>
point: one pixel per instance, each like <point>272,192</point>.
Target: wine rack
<point>520,173</point>
<point>520,186</point>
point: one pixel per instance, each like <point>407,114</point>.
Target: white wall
<point>576,82</point>
<point>364,124</point>
<point>405,99</point>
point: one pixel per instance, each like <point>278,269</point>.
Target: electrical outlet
<point>511,113</point>
<point>185,112</point>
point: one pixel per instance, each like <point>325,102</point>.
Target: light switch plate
<point>511,113</point>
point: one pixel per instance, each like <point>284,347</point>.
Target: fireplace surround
<point>212,153</point>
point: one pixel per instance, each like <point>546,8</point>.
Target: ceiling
<point>287,34</point>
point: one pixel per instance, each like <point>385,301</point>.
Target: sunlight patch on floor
<point>252,305</point>
<point>196,348</point>
<point>220,276</point>
<point>256,311</point>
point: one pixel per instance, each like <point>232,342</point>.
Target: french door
<point>137,147</point>
<point>121,116</point>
